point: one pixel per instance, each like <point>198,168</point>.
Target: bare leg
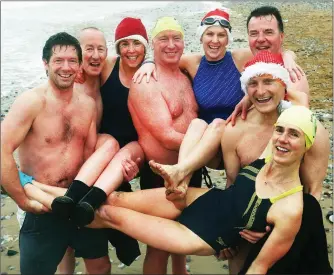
<point>51,190</point>
<point>155,261</point>
<point>98,266</point>
<point>179,263</point>
<point>237,262</point>
<point>158,232</point>
<point>97,162</point>
<point>196,142</point>
<point>37,194</point>
<point>63,206</point>
<point>67,264</point>
<point>153,201</point>
<point>110,179</point>
<point>112,176</point>
<point>192,137</point>
<point>201,149</point>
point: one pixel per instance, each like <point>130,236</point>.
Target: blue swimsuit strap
<point>24,178</point>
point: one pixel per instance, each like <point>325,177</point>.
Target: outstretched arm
<point>187,62</point>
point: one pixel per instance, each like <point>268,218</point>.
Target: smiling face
<point>168,47</point>
<point>264,34</point>
<point>288,144</point>
<point>63,66</point>
<point>94,50</point>
<point>215,40</point>
<point>132,52</point>
<point>265,92</point>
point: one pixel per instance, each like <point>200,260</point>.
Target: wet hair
<point>264,11</point>
<point>61,39</point>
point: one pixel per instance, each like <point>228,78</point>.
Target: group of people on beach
<point>95,124</point>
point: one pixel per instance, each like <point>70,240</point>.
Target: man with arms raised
<point>161,112</point>
<point>54,137</point>
<point>265,31</point>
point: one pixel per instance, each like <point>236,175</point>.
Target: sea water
<point>25,26</point>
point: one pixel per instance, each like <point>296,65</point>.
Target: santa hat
<point>216,14</point>
<point>265,62</point>
<point>131,28</point>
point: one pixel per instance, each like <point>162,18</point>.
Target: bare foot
<point>172,175</point>
<point>178,193</point>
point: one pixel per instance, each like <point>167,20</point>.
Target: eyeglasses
<point>222,22</point>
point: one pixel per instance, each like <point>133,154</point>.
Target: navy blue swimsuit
<point>217,88</point>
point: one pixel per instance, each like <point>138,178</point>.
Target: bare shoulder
<point>143,90</point>
<point>190,63</point>
<point>241,56</point>
<point>193,58</point>
<point>85,99</point>
<point>111,60</point>
<point>288,209</point>
<point>107,68</point>
<point>35,97</point>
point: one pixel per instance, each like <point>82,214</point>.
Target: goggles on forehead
<point>222,22</point>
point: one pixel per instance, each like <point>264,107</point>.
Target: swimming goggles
<point>222,22</point>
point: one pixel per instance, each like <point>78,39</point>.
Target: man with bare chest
<point>161,112</point>
<point>54,129</point>
<point>243,143</point>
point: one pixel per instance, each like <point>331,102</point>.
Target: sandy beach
<point>308,32</point>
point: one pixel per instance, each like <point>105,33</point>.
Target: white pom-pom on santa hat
<point>265,62</point>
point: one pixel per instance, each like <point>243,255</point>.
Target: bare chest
<point>252,144</point>
<point>62,125</point>
<point>180,100</point>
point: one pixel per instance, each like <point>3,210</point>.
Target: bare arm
<point>230,157</point>
<point>313,169</point>
<point>297,75</point>
<point>298,98</point>
<point>91,138</point>
<point>190,63</point>
<point>148,107</point>
<point>14,129</point>
<point>287,222</point>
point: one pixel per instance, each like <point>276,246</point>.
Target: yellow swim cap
<point>301,117</point>
<point>304,119</point>
<point>166,23</point>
